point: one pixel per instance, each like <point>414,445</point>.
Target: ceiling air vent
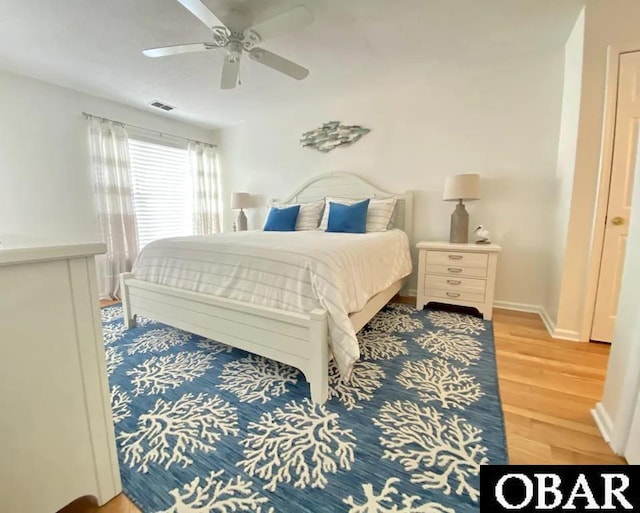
<point>161,105</point>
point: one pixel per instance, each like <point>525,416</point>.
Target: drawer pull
<point>453,294</point>
<point>454,269</point>
<point>454,282</point>
<point>455,257</point>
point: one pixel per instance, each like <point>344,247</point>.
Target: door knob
<point>617,220</point>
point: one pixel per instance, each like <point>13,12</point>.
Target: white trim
<point>622,422</point>
<point>517,307</point>
<point>554,332</point>
<point>23,252</point>
<point>603,421</point>
<point>547,320</point>
<point>504,305</point>
<point>339,177</point>
<point>114,486</point>
<point>570,335</point>
<point>558,334</point>
<point>466,247</point>
<point>602,197</point>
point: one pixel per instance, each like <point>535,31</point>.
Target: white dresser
<point>458,274</point>
<point>56,431</point>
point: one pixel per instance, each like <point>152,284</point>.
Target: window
<point>161,190</point>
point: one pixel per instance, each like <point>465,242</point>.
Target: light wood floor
<point>548,388</point>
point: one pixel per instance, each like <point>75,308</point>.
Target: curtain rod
<point>100,118</point>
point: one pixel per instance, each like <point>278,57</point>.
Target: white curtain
<point>206,197</point>
<point>109,152</point>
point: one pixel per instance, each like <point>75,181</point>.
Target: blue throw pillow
<point>282,219</point>
<point>348,218</point>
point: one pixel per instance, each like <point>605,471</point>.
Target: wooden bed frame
<point>296,339</point>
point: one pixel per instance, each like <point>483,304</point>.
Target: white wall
<point>567,148</point>
<point>45,187</point>
<point>499,119</point>
<point>607,22</point>
<point>623,374</point>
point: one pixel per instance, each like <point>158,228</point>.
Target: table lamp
<point>464,187</point>
<point>241,200</point>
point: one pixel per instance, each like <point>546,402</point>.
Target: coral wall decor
<point>331,135</point>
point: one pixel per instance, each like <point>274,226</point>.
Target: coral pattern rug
<point>202,427</point>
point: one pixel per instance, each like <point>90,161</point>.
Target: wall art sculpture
<point>331,135</point>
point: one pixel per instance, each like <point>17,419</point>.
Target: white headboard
<point>348,185</point>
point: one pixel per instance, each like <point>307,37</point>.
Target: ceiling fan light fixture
<point>237,36</point>
<point>235,49</point>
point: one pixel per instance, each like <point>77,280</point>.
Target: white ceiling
<point>94,46</point>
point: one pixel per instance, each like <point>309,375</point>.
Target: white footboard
<point>297,339</point>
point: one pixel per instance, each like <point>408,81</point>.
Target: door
<point>620,189</point>
<point>632,452</point>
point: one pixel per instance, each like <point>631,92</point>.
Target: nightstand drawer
<point>451,284</point>
<point>456,296</point>
<point>457,274</point>
<point>457,270</point>
<point>458,259</point>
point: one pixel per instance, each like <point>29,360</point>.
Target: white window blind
<point>161,190</point>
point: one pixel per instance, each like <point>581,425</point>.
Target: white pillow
<point>308,215</point>
<point>379,213</point>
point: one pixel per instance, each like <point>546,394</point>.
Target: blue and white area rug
<point>201,427</point>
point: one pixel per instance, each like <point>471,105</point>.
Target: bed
<point>233,288</point>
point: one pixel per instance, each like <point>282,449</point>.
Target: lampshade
<point>462,187</point>
<point>240,200</point>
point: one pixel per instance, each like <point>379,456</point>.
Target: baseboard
<point>554,332</point>
<point>557,333</point>
<point>547,320</point>
<point>570,335</point>
<point>517,307</point>
<point>603,421</point>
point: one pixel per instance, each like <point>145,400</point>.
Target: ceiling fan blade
<point>278,63</point>
<point>202,12</point>
<point>177,49</point>
<point>230,72</point>
<point>284,23</point>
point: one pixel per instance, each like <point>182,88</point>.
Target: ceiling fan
<point>239,34</point>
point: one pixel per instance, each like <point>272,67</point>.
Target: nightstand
<point>457,274</point>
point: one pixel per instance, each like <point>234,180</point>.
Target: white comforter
<point>296,271</point>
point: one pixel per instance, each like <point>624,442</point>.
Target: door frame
<point>615,431</point>
<point>604,182</point>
